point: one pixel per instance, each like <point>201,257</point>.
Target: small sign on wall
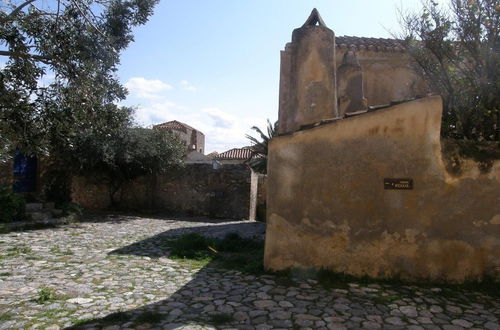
<point>398,183</point>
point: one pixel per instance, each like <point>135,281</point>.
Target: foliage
<point>60,77</point>
<point>45,294</point>
<point>72,209</point>
<point>231,252</point>
<point>11,206</point>
<point>258,158</point>
<point>191,246</point>
<point>56,184</point>
<point>455,153</point>
<point>126,155</point>
<point>457,50</point>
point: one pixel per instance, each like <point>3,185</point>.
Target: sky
<point>214,64</point>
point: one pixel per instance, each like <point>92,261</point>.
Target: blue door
<point>25,170</point>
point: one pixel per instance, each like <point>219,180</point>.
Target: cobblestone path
<point>112,274</point>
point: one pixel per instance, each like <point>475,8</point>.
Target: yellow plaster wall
<point>327,207</point>
<point>387,76</point>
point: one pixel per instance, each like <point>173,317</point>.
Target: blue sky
<point>214,64</point>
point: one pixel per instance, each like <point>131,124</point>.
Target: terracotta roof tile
<point>235,153</point>
<point>375,44</point>
<point>175,125</point>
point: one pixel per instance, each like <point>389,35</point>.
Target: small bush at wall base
<point>72,209</point>
<point>12,206</point>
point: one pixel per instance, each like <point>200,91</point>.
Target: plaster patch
<point>495,220</point>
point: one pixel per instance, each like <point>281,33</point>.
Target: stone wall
<point>327,206</point>
<point>197,189</point>
<point>6,174</point>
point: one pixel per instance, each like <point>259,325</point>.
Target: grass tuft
<point>232,252</point>
<point>45,294</point>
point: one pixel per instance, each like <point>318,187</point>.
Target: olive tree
<point>456,48</point>
<point>126,155</point>
<point>59,74</point>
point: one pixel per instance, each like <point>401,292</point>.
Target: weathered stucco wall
<point>307,79</point>
<point>197,189</point>
<point>387,76</point>
<point>327,206</point>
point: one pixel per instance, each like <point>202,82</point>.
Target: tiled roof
<point>213,154</point>
<point>176,125</point>
<point>235,153</point>
<point>375,44</point>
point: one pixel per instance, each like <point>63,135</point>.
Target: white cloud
<point>46,80</point>
<point>150,89</point>
<point>187,86</point>
<point>220,118</point>
<point>154,113</point>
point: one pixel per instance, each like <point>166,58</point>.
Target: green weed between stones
<point>6,316</point>
<point>46,294</point>
<point>77,322</point>
<point>232,252</point>
<point>16,251</point>
<point>57,250</point>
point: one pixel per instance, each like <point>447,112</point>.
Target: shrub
<point>11,206</point>
<point>72,209</point>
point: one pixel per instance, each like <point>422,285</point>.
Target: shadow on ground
<point>215,297</point>
<point>154,246</point>
<point>98,217</point>
<point>218,298</point>
<point>120,217</point>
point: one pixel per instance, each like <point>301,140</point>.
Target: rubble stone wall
<point>196,189</point>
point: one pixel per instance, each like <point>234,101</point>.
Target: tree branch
<point>88,19</point>
<point>41,58</point>
<point>16,11</point>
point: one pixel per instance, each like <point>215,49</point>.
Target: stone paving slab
<point>110,274</point>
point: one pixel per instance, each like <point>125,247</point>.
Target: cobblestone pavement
<point>111,274</point>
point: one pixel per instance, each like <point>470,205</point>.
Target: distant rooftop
<point>235,153</point>
<point>175,125</point>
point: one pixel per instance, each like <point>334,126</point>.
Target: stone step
<point>56,213</point>
<point>39,215</point>
<point>30,207</point>
<point>49,205</point>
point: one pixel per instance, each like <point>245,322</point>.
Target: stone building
<point>324,76</point>
<point>371,190</point>
<point>194,139</point>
